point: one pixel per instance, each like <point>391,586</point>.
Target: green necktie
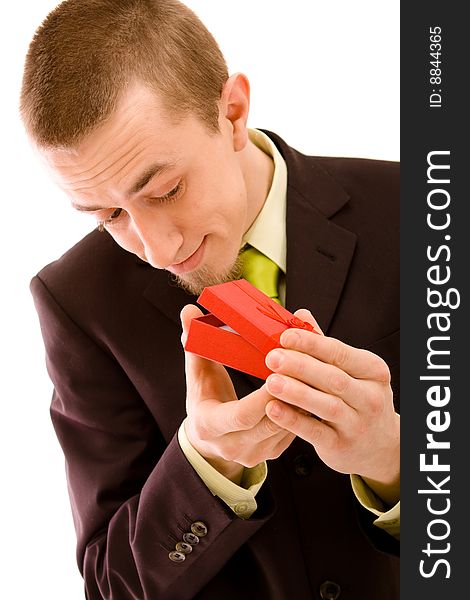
<point>261,272</point>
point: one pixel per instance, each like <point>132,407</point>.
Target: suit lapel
<point>319,252</point>
<point>319,255</point>
<point>165,295</point>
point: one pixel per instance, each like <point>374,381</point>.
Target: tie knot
<point>261,272</point>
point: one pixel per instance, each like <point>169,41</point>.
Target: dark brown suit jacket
<point>111,329</point>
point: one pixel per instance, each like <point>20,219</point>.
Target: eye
<point>110,220</point>
<point>115,214</point>
<point>171,195</point>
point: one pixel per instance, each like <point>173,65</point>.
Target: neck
<point>258,171</point>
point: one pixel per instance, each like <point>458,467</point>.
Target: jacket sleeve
<point>133,497</point>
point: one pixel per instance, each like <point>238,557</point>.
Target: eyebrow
<point>139,184</point>
<point>148,175</point>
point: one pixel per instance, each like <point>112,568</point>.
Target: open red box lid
<point>242,327</point>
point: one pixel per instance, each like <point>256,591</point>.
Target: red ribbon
<point>271,311</point>
<point>294,321</point>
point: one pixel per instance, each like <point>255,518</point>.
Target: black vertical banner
<point>435,254</point>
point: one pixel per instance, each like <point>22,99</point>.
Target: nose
<point>158,237</point>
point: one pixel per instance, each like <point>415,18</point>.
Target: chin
<point>195,282</point>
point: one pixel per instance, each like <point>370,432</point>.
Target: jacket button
<point>177,557</point>
<point>302,465</point>
<point>329,590</point>
<point>199,528</point>
<point>183,547</point>
<point>190,538</point>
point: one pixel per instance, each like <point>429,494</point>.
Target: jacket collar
<point>319,252</point>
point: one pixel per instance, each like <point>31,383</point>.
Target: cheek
<point>215,202</point>
<point>236,211</point>
<point>228,206</point>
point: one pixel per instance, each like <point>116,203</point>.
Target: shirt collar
<point>268,232</point>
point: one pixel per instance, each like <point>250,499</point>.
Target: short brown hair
<point>86,53</point>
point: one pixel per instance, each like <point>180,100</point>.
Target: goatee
<point>195,282</point>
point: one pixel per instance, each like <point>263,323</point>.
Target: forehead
<point>140,129</point>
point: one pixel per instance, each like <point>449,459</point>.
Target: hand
<point>339,399</point>
<point>229,433</point>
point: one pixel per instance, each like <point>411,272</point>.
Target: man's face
<point>172,193</point>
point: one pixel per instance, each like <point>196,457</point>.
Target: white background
<point>324,75</point>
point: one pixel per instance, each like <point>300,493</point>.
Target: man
<point>132,107</point>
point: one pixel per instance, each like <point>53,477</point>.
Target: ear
<point>234,108</point>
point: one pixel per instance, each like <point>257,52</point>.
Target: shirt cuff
<point>240,498</point>
<point>389,520</point>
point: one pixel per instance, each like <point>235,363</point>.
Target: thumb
<point>189,312</point>
<point>307,316</point>
<point>204,378</point>
<point>194,364</point>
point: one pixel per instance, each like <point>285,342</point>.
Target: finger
<point>205,375</point>
<point>189,312</point>
<point>324,406</point>
<point>196,366</point>
<point>357,362</point>
<point>282,445</point>
<point>307,316</point>
<point>265,429</point>
<point>217,419</point>
<point>249,411</point>
<point>273,447</point>
<point>315,373</point>
<point>242,448</point>
<point>205,379</point>
<point>309,429</point>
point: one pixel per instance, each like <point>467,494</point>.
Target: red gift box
<point>243,325</point>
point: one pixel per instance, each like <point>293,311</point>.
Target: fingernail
<point>290,338</point>
<point>274,360</point>
<point>275,384</point>
<point>274,409</point>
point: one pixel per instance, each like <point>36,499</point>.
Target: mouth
<point>191,263</point>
